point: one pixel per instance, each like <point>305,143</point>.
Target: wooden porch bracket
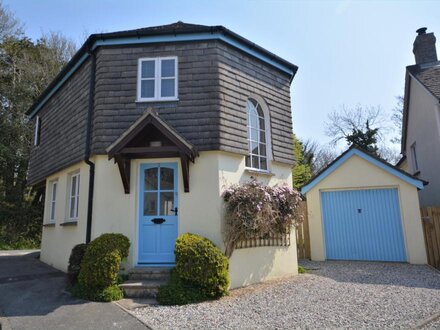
<point>124,166</point>
<point>184,161</point>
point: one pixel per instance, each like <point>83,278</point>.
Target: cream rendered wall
<point>424,130</point>
<point>58,241</point>
<point>200,212</point>
<point>357,173</point>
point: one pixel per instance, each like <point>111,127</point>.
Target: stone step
<point>141,288</point>
<point>149,273</point>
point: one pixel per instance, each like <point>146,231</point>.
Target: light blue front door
<point>158,213</point>
<point>363,225</point>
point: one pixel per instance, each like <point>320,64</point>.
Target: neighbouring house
<point>363,208</point>
<point>143,130</point>
<point>421,118</point>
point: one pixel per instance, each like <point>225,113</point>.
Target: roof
<point>174,32</point>
<point>354,150</point>
<point>429,76</point>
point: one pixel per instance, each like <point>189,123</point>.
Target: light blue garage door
<point>363,225</point>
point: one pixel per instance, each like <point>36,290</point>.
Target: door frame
<point>138,195</point>
<point>401,214</point>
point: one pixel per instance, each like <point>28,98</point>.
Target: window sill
<point>259,172</point>
<point>156,100</point>
<point>69,223</point>
<point>49,224</point>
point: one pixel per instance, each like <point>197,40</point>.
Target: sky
<point>348,52</point>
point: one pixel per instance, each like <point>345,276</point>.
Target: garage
<point>363,208</point>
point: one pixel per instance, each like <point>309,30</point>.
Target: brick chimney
<point>424,47</point>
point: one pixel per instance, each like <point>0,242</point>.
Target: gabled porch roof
<point>151,137</point>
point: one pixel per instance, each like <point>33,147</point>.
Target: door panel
<point>158,200</point>
<point>363,225</point>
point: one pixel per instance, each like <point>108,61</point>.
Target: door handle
<point>158,221</point>
<point>174,210</point>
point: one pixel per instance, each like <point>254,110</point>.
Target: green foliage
<point>200,263</point>
<point>107,294</point>
<point>75,259</point>
<point>100,265</point>
<point>201,272</point>
<point>179,292</point>
<point>301,270</point>
<point>302,171</point>
<point>365,139</point>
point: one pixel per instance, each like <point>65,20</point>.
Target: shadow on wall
<point>251,265</point>
<point>376,273</point>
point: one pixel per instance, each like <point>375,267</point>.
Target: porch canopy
<point>150,137</point>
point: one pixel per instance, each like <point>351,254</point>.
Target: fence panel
<point>431,231</point>
<point>302,235</point>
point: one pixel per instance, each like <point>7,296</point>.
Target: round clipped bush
<point>100,267</point>
<point>200,263</point>
<point>75,259</point>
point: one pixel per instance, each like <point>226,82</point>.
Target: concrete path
<point>32,296</point>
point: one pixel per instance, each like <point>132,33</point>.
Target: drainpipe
<point>88,143</point>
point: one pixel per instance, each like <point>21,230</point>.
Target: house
<point>363,208</point>
<point>421,118</point>
<point>143,130</point>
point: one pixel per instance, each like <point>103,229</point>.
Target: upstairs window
<point>74,196</point>
<point>414,158</point>
<point>157,79</point>
<point>37,131</point>
<point>257,136</point>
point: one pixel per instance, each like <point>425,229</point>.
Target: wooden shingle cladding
<point>214,82</point>
<point>63,128</point>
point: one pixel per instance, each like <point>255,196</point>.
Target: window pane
<point>147,88</point>
<point>166,203</point>
<point>77,205</point>
<point>261,121</point>
<point>254,148</point>
<point>72,207</point>
<point>167,88</point>
<point>73,187</point>
<point>254,134</point>
<point>253,120</point>
<point>167,68</point>
<point>166,178</point>
<point>262,149</point>
<point>150,203</point>
<point>52,211</point>
<point>150,180</point>
<point>255,162</point>
<point>263,163</point>
<point>248,161</point>
<point>148,69</point>
<point>54,192</point>
<point>262,136</point>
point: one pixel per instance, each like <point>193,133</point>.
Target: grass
<point>19,245</point>
<point>301,270</point>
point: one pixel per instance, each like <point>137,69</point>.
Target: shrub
<point>179,292</point>
<point>301,270</point>
<point>75,259</point>
<point>100,266</point>
<point>202,264</point>
<point>254,210</point>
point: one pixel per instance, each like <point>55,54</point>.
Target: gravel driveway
<point>333,294</point>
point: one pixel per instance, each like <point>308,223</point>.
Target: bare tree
<point>397,119</point>
<point>9,24</point>
<point>344,121</point>
<point>324,155</point>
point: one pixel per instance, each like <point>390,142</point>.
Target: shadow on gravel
<point>378,273</point>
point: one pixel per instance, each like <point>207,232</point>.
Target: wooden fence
<point>431,230</point>
<point>302,235</point>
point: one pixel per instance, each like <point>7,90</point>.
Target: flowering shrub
<point>255,210</point>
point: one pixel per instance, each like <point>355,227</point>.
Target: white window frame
<point>53,201</point>
<point>414,159</point>
<point>268,155</point>
<point>74,196</point>
<point>157,79</point>
<point>37,131</point>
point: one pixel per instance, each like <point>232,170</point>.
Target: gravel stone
<point>333,294</point>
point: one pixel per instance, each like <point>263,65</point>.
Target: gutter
<point>88,147</point>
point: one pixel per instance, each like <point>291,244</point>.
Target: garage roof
<point>354,150</point>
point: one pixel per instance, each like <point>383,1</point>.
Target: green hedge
<point>75,259</point>
<point>201,272</point>
<point>100,266</point>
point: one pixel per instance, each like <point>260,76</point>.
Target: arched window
<point>257,136</point>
